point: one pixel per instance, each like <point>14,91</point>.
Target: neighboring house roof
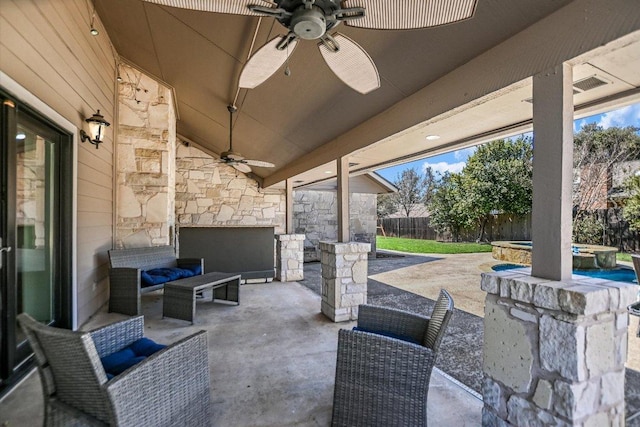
<point>367,183</point>
<point>620,172</point>
<point>417,211</point>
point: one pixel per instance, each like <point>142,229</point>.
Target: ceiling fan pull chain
<point>287,70</point>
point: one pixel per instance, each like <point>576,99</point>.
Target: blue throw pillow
<point>118,362</point>
<point>185,272</point>
<point>158,276</point>
<point>113,360</point>
<point>150,280</point>
<point>196,269</point>
<point>146,347</point>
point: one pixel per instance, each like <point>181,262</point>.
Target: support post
<point>289,257</point>
<point>343,199</point>
<point>344,279</point>
<point>554,352</point>
<point>289,207</point>
<point>552,174</point>
<point>554,347</point>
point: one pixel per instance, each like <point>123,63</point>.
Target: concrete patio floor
<point>460,275</point>
<point>272,358</point>
<point>272,362</point>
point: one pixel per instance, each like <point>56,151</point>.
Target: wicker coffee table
<point>179,299</point>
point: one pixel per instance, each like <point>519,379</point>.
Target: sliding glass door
<point>35,228</point>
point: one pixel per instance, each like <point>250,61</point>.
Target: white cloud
<point>577,125</point>
<point>627,116</point>
<point>465,153</point>
<point>442,167</point>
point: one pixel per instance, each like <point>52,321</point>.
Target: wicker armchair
<point>384,366</point>
<point>168,388</point>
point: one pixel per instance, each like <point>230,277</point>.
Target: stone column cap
<point>579,296</point>
<point>348,247</point>
<point>289,236</point>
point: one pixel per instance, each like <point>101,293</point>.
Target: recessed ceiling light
<point>21,135</point>
<point>432,137</point>
<point>328,172</point>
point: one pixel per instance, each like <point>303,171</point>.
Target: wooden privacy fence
<point>506,227</point>
<point>498,227</point>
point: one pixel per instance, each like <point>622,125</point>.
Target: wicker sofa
<point>126,267</point>
<point>170,387</point>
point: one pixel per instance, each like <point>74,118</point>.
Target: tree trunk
<point>482,227</point>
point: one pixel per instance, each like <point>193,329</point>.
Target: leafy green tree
<point>385,205</point>
<point>631,209</point>
<point>414,189</point>
<point>449,207</point>
<point>498,179</point>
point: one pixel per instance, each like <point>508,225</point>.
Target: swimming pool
<point>618,274</point>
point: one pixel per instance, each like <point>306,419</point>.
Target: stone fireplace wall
<point>214,194</point>
<point>146,135</point>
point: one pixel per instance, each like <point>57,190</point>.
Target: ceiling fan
<point>314,19</point>
<point>235,159</point>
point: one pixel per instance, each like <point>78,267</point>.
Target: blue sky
<point>455,160</point>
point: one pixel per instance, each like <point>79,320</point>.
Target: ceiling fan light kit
<point>313,19</point>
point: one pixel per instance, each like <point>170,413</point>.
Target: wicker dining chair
<point>169,388</point>
<point>384,366</point>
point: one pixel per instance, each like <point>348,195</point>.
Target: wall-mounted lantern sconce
<point>97,125</point>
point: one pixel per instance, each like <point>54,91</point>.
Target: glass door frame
<point>15,359</point>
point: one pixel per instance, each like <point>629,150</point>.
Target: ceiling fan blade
<point>241,167</point>
<point>259,163</point>
<point>351,63</point>
<point>234,7</point>
<point>265,62</point>
<point>409,14</point>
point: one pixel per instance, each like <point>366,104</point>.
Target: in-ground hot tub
<point>585,257</point>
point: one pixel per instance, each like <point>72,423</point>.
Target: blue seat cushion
<point>118,362</point>
<point>145,347</point>
<point>390,335</point>
<point>158,276</point>
<point>196,269</point>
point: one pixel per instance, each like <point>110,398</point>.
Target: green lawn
<point>418,246</point>
<point>623,257</point>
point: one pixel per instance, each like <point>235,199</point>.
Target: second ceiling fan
<point>313,19</point>
<point>235,159</point>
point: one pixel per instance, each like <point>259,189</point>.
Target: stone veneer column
<point>145,166</point>
<point>344,279</point>
<point>554,352</point>
<point>289,257</point>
